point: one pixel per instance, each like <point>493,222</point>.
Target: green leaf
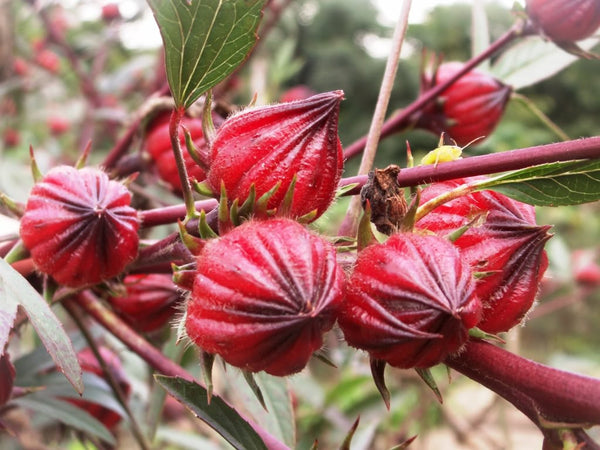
<point>280,418</point>
<point>218,415</point>
<point>532,60</point>
<point>66,413</point>
<point>554,184</point>
<point>15,288</point>
<point>204,40</point>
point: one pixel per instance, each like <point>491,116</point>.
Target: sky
<point>145,33</point>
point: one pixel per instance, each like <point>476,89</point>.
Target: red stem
<point>540,392</point>
<point>403,118</point>
<point>586,148</point>
<point>170,214</point>
<point>109,320</point>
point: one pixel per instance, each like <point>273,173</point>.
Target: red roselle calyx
<point>565,20</point>
<point>89,363</point>
<point>264,146</point>
<point>263,296</point>
<point>79,226</point>
<point>149,301</point>
<point>469,109</point>
<point>502,244</point>
<point>158,145</point>
<point>410,301</point>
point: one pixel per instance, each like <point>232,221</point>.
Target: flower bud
<point>410,301</point>
<point>469,109</point>
<point>79,226</point>
<point>565,20</point>
<point>149,301</point>
<point>270,145</point>
<point>158,146</point>
<point>502,244</point>
<point>263,296</point>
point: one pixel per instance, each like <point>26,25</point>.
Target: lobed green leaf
<point>204,41</point>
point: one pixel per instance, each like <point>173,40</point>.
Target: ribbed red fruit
<point>504,246</point>
<point>89,363</point>
<point>469,109</point>
<point>264,146</point>
<point>149,301</point>
<point>263,296</point>
<point>410,301</point>
<point>565,20</point>
<point>158,146</point>
<point>79,226</point>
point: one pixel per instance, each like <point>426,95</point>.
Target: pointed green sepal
<point>245,211</point>
<point>18,209</point>
<point>427,377</point>
<point>485,336</point>
<point>207,360</point>
<point>202,188</point>
<point>263,200</point>
<point>16,253</point>
<point>130,179</point>
<point>183,278</point>
<point>223,212</point>
<point>479,275</point>
<point>193,150</point>
<point>204,229</point>
<point>365,236</point>
<point>193,243</point>
<point>249,377</point>
<point>35,170</point>
<point>475,221</point>
<point>286,205</point>
<point>208,127</point>
<point>348,439</point>
<point>234,214</point>
<point>378,373</point>
<point>82,160</point>
<point>308,217</point>
<point>410,161</point>
<point>344,190</point>
<point>408,221</point>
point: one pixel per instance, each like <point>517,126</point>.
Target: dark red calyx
<point>263,296</point>
<point>469,109</point>
<point>504,247</point>
<point>79,226</point>
<point>271,146</point>
<point>148,302</point>
<point>410,301</point>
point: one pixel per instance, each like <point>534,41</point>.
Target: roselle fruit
<point>470,108</point>
<point>148,302</point>
<point>158,145</point>
<point>264,146</point>
<point>503,245</point>
<point>263,295</point>
<point>410,301</point>
<point>109,418</point>
<point>565,20</point>
<point>79,226</point>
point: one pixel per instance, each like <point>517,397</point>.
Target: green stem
<point>186,187</point>
<point>541,116</point>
